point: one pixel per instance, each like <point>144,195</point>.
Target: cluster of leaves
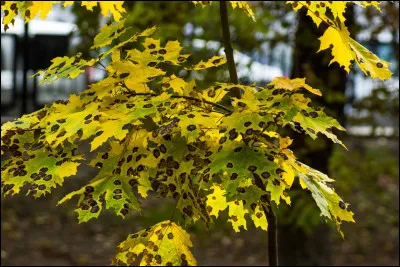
<point>345,50</point>
<point>28,10</point>
<point>154,131</point>
<point>240,4</point>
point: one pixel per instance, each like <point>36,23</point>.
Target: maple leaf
<point>35,164</point>
<point>245,7</point>
<point>330,204</point>
<point>217,201</point>
<point>111,187</point>
<point>293,84</point>
<point>163,244</point>
<point>89,4</point>
<point>108,33</point>
<point>297,110</point>
<point>114,7</point>
<point>66,120</point>
<point>42,7</point>
<point>68,67</point>
<point>345,50</point>
<point>240,4</point>
<point>67,3</point>
<point>155,54</point>
<point>215,61</point>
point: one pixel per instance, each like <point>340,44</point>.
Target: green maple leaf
<point>35,164</point>
<point>111,188</point>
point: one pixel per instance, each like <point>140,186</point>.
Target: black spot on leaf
<point>310,130</point>
<point>89,189</point>
<point>304,113</point>
<point>222,140</point>
<point>42,187</point>
<point>94,209</point>
<point>117,191</point>
<point>191,127</point>
<point>252,168</point>
<point>124,212</point>
<point>265,175</point>
<point>163,149</point>
<point>55,127</point>
<point>241,190</point>
<point>117,197</point>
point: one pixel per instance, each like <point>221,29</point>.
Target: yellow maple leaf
<point>212,62</point>
<point>245,6</point>
<point>216,201</point>
<point>89,4</point>
<point>237,215</point>
<point>293,84</point>
<point>345,50</point>
<point>67,3</point>
<point>259,219</point>
<point>43,7</point>
<point>115,7</point>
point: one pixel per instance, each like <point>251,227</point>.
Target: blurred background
<point>280,43</point>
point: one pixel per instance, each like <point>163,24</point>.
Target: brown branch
<point>272,234</point>
<point>272,225</point>
<point>228,48</point>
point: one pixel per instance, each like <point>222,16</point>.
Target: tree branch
<point>228,48</point>
<point>272,234</point>
<point>272,226</point>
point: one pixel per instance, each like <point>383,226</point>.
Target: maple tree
<point>210,149</point>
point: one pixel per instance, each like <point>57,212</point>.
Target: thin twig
<point>101,64</point>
